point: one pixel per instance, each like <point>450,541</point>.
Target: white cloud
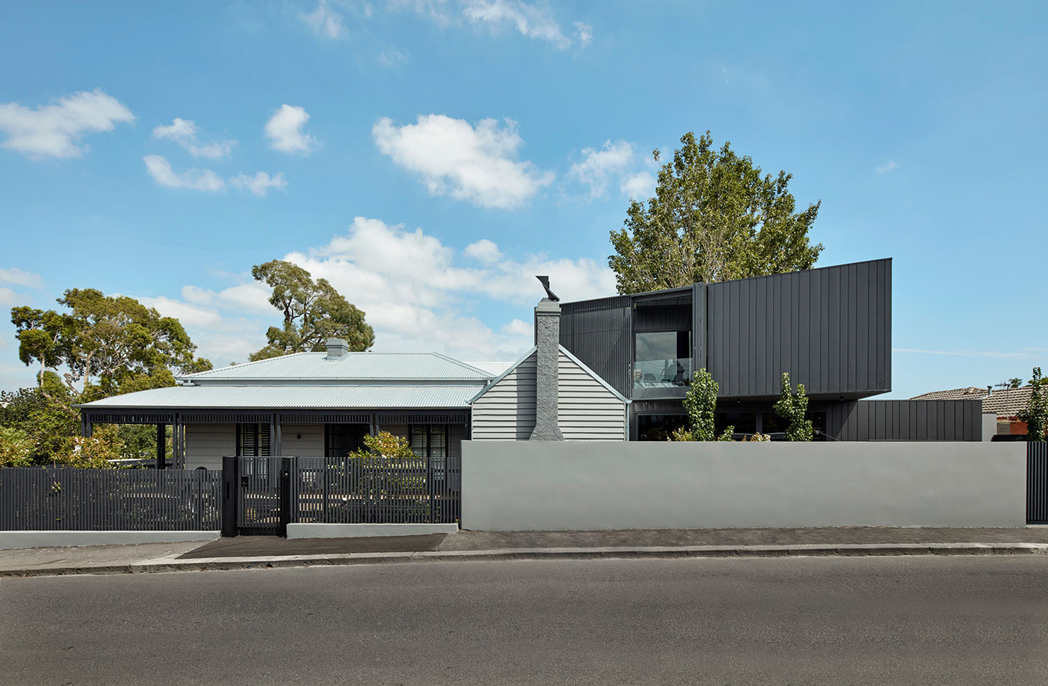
<point>886,167</point>
<point>10,297</point>
<point>529,20</point>
<point>20,277</point>
<point>260,183</point>
<point>208,181</point>
<point>639,186</point>
<point>484,251</point>
<point>534,20</point>
<point>285,131</point>
<point>55,130</point>
<point>468,163</point>
<point>585,33</point>
<point>393,57</point>
<point>325,21</point>
<point>197,179</point>
<point>597,165</point>
<point>412,289</point>
<point>184,132</point>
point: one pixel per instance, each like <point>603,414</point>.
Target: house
<point>614,368</point>
<point>1003,404</point>
<point>308,404</point>
<point>829,328</point>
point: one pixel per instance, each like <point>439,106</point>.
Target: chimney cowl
<point>336,348</point>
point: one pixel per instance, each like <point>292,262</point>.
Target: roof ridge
<point>245,364</point>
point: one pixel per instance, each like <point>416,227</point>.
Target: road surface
<point>898,620</point>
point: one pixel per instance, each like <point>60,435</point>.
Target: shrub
<point>1035,414</point>
<point>16,447</point>
<point>701,404</point>
<point>794,409</point>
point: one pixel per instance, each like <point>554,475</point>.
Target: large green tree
<point>313,312</point>
<point>715,216</point>
<point>109,344</point>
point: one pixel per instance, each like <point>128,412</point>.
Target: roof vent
<point>336,348</point>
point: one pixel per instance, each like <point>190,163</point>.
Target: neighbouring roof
<point>294,397</point>
<point>315,368</point>
<point>493,368</point>
<point>1004,402</point>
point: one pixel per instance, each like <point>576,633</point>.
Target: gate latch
<point>243,482</point>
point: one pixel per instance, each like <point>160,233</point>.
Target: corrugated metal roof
<point>294,397</point>
<point>306,367</point>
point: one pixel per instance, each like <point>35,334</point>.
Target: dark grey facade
<point>829,328</point>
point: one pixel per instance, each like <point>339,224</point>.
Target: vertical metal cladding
<point>903,420</point>
<point>600,333</point>
<point>830,328</point>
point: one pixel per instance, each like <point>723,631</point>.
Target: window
<point>431,441</point>
<point>662,359</point>
<point>659,427</point>
<point>253,440</point>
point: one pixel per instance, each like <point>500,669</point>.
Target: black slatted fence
<point>65,498</point>
<point>1037,482</point>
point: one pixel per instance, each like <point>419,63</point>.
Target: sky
<point>429,157</point>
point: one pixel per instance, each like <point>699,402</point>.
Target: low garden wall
<point>521,485</point>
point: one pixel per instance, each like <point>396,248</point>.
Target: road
<point>899,620</point>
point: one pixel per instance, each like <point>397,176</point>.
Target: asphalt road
<point>920,620</point>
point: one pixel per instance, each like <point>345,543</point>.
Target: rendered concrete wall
<point>50,539</point>
<point>519,486</point>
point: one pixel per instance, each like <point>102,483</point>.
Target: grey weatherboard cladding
<point>830,328</point>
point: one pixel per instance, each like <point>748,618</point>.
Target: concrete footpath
<point>268,552</point>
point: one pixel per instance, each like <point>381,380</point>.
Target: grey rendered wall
<point>599,332</point>
<point>904,420</point>
<point>830,328</point>
<point>514,486</point>
<point>206,444</point>
<point>587,411</point>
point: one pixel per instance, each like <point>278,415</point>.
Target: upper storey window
<point>662,359</point>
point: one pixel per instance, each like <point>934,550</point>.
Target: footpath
<point>258,552</point>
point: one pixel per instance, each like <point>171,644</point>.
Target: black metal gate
<point>262,495</point>
<point>257,495</point>
<point>1037,482</point>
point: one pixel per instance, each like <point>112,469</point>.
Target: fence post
<point>287,469</point>
<point>230,495</point>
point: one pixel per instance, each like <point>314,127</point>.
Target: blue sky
<point>430,157</point>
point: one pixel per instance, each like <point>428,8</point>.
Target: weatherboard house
<point>609,369</point>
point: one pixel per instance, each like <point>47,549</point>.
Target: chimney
<point>336,348</point>
<point>547,340</point>
<point>989,391</point>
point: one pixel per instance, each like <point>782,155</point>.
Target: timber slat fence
<point>65,498</point>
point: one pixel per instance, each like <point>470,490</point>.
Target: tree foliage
<point>714,217</point>
<point>313,312</point>
<point>1035,414</point>
<point>701,404</point>
<point>794,409</point>
<point>109,344</point>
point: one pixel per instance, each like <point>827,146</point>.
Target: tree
<point>714,217</point>
<point>1035,414</point>
<point>115,340</point>
<point>794,409</point>
<point>313,312</point>
<point>1015,382</point>
<point>701,404</point>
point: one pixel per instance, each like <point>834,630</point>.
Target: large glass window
<point>662,359</point>
<point>659,427</point>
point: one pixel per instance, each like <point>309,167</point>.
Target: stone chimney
<point>336,348</point>
<point>547,339</point>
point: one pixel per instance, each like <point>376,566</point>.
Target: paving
<point>263,551</point>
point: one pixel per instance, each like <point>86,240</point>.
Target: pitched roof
<point>1004,402</point>
<point>312,368</point>
<point>565,351</point>
<point>294,397</point>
